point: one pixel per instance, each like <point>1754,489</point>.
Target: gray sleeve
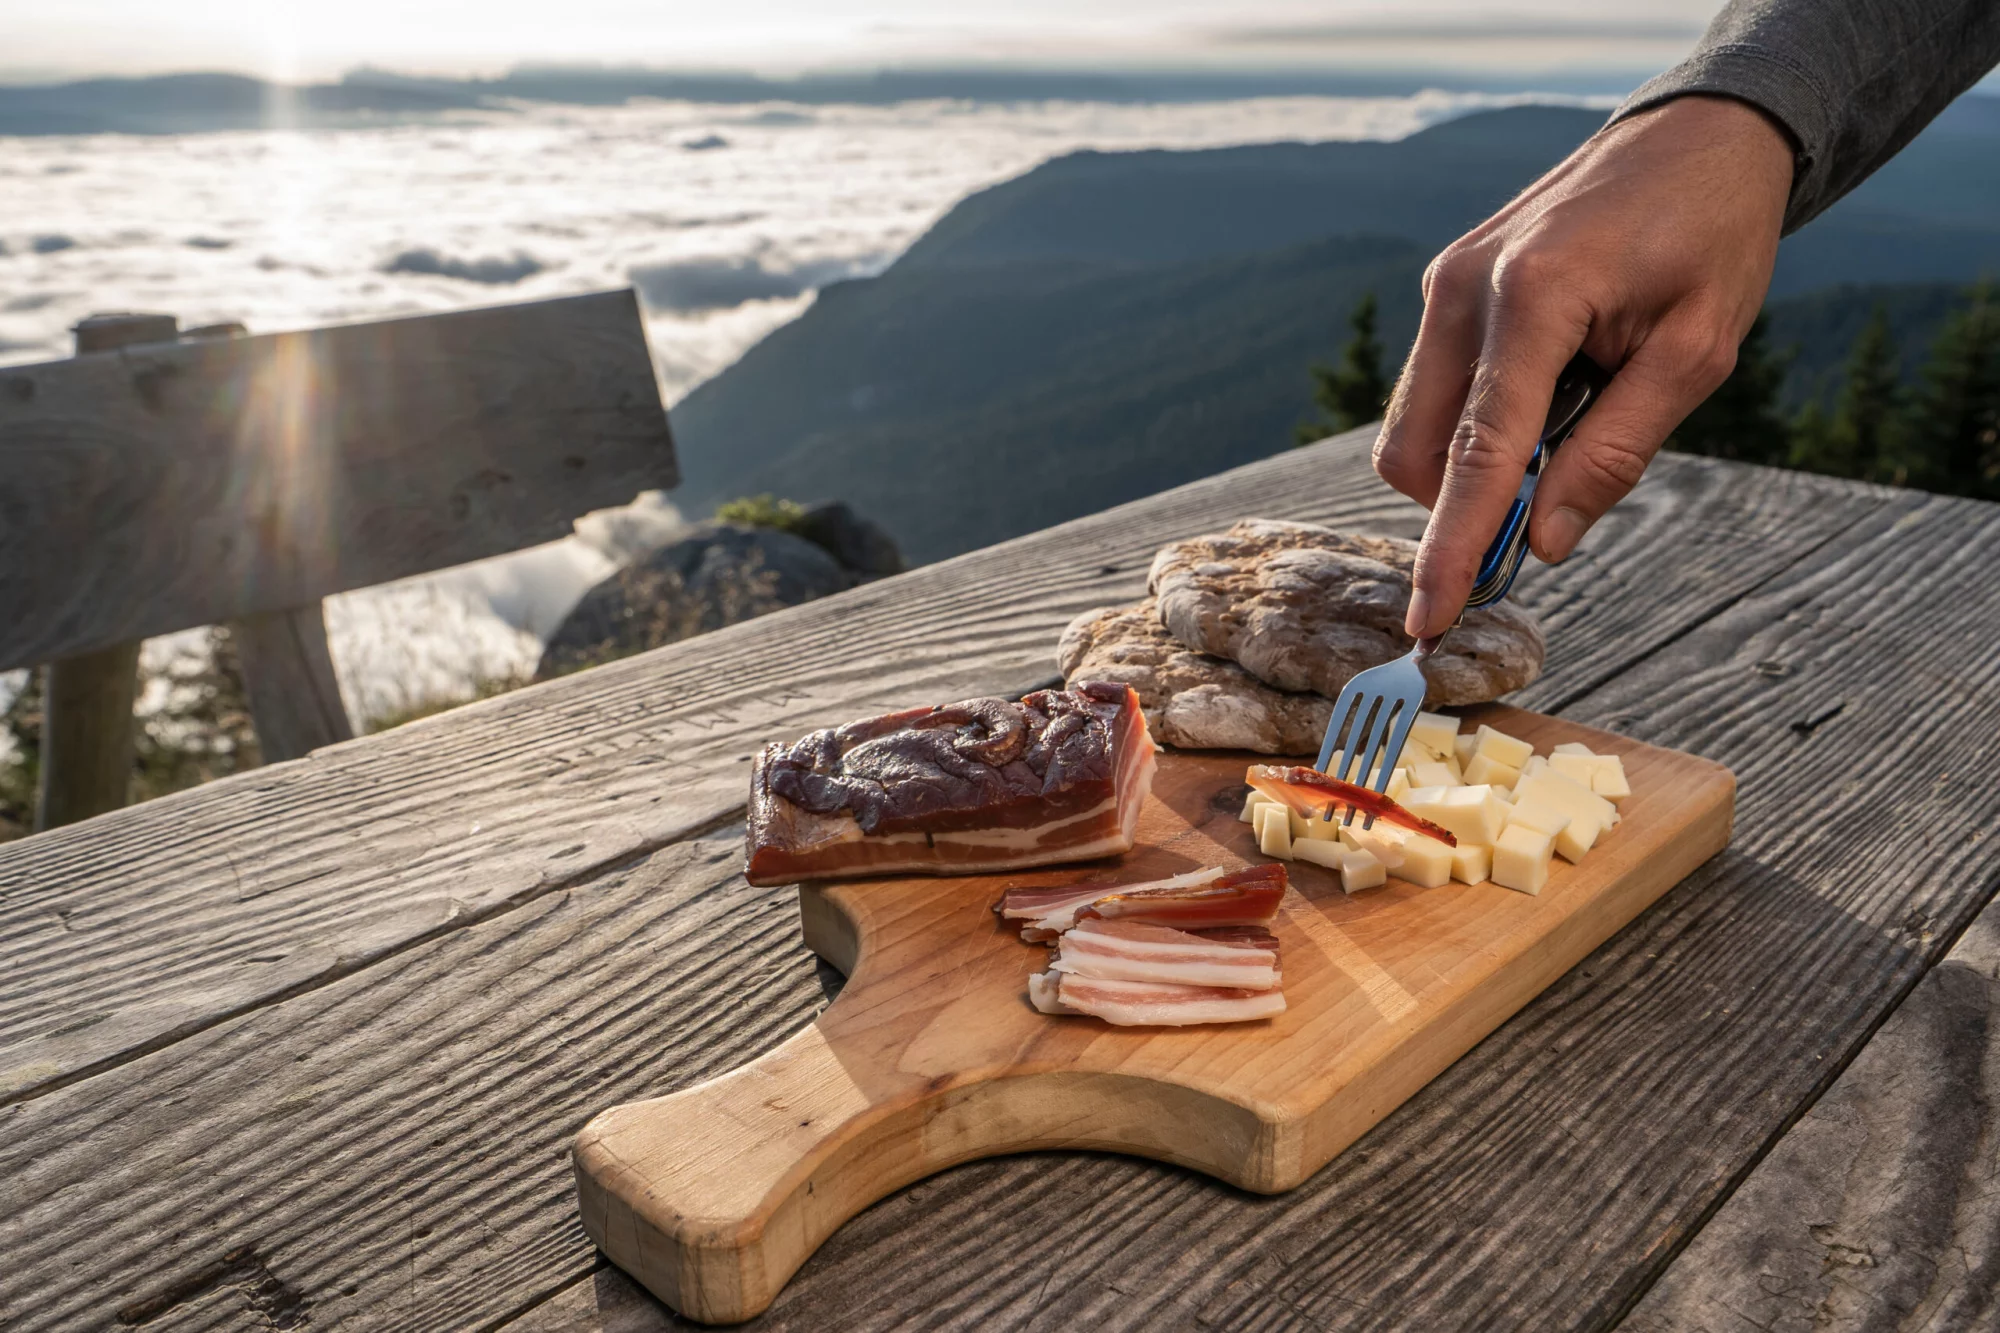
<point>1852,80</point>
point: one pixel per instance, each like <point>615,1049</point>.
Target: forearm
<point>1851,80</point>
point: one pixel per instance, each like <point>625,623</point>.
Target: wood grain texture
<point>160,920</point>
<point>1879,1209</point>
<point>289,678</point>
<point>391,1146</point>
<point>288,1134</point>
<point>190,483</point>
<point>932,1056</point>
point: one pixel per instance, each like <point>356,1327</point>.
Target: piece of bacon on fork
<point>1311,793</point>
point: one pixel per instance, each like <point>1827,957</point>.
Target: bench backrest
<point>168,485</point>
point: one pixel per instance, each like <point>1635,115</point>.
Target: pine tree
<point>1863,438</point>
<point>1741,419</point>
<point>1953,438</point>
<point>1355,392</point>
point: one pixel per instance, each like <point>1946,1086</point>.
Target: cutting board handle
<point>714,1196</point>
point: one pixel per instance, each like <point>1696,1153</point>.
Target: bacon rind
<point>1312,793</point>
<point>1244,898</point>
<point>1039,904</point>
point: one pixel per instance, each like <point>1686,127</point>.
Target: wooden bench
<point>158,482</point>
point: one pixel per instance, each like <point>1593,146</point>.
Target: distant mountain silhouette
<point>191,103</point>
<point>1110,324</point>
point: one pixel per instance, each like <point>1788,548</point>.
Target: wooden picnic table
<point>307,1047</point>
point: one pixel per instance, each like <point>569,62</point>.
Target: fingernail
<point>1562,530</point>
<point>1418,617</point>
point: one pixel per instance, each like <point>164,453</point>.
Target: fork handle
<point>1579,385</point>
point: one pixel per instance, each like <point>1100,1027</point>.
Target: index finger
<point>1526,347</point>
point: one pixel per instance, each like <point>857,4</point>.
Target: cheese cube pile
<point>1512,810</point>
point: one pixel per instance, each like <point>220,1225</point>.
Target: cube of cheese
<point>1609,780</point>
<point>1573,747</point>
<point>1399,784</point>
<point>1565,795</point>
<point>1435,732</point>
<point>1436,774</point>
<point>1319,830</point>
<point>1504,794</point>
<point>1320,852</point>
<point>1360,870</point>
<point>1539,817</point>
<point>1297,822</point>
<point>1470,814</point>
<point>1384,842</point>
<point>1484,768</point>
<point>1507,749</point>
<point>1538,764</point>
<point>1274,831</point>
<point>1415,752</point>
<point>1576,839</point>
<point>1581,767</point>
<point>1470,862</point>
<point>1250,804</point>
<point>1426,861</point>
<point>1462,749</point>
<point>1521,859</point>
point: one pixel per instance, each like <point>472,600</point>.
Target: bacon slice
<point>1212,897</point>
<point>1312,793</point>
<point>1124,951</point>
<point>976,786</point>
<point>1150,1004</point>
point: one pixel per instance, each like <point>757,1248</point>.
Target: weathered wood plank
<point>285,1135</point>
<point>289,678</point>
<point>161,919</point>
<point>190,483</point>
<point>1881,1208</point>
<point>391,1142</point>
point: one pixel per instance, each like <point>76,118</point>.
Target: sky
<point>306,40</point>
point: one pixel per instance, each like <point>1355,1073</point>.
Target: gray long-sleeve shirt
<point>1852,80</point>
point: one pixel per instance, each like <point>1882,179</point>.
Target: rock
<point>717,575</point>
<point>853,540</point>
<point>1191,700</point>
<point>1303,607</point>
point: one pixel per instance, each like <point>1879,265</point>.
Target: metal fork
<point>1378,707</point>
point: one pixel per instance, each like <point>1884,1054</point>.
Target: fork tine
<point>1365,718</point>
<point>1349,697</point>
<point>1399,737</point>
<point>1363,752</point>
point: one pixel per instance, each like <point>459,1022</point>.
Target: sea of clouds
<point>725,218</point>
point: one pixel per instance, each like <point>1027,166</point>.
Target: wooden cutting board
<point>931,1055</point>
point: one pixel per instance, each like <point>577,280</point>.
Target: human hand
<point>1649,249</point>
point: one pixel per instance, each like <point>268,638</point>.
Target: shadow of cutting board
<point>931,1055</point>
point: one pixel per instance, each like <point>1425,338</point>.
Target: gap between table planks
<point>139,928</point>
<point>397,1140</point>
<point>931,1056</point>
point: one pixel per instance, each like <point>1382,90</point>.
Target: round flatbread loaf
<point>1191,700</point>
<point>1303,607</point>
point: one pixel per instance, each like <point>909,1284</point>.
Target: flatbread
<point>1191,700</point>
<point>1302,607</point>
